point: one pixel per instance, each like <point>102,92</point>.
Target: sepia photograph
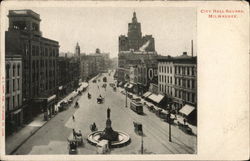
<point>100,80</point>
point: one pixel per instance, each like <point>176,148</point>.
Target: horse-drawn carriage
<point>72,146</point>
<point>75,142</point>
<point>138,128</point>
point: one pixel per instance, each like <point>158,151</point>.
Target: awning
<point>126,85</point>
<point>17,111</point>
<point>60,88</point>
<point>51,98</point>
<point>187,109</point>
<point>130,85</point>
<point>153,97</point>
<point>158,98</point>
<point>147,94</point>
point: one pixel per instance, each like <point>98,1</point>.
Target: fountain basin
<point>123,139</point>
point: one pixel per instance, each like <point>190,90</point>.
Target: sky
<point>100,27</point>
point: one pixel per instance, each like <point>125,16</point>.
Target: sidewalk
<point>17,139</point>
<point>14,141</point>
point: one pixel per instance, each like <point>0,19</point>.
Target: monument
<point>108,133</point>
<point>115,138</point>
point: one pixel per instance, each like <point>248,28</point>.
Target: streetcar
<point>136,106</point>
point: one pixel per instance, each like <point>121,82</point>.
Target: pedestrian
<point>73,117</point>
<point>185,121</point>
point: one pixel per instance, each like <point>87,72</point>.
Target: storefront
<point>45,105</point>
<point>14,120</point>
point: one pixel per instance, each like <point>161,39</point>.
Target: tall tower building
<point>77,50</point>
<point>134,33</point>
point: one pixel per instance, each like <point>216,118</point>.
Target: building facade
<point>13,93</point>
<point>178,79</point>
<point>134,50</point>
<point>39,61</point>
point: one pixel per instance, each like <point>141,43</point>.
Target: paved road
<point>52,138</point>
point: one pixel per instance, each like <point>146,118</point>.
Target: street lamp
<point>142,144</point>
<point>169,122</point>
<point>126,103</point>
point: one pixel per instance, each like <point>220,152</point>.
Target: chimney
<point>185,53</point>
<point>192,51</point>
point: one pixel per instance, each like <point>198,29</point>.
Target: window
<point>7,103</point>
<point>14,68</point>
<point>193,97</point>
<point>13,100</point>
<point>7,86</point>
<point>193,84</point>
<point>18,97</point>
<point>18,70</point>
<point>192,71</point>
<point>188,70</point>
<point>188,83</point>
<point>18,84</point>
<point>33,50</point>
<point>168,70</point>
<point>14,85</point>
<point>7,71</point>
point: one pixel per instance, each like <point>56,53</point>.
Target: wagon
<point>138,128</point>
<point>72,146</point>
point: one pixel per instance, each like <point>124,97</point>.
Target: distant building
<point>13,93</point>
<point>134,41</point>
<point>39,61</point>
<point>128,58</point>
<point>93,64</point>
<point>132,49</point>
<point>68,75</point>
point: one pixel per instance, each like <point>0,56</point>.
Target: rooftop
<point>25,12</point>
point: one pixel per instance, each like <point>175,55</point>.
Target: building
<point>13,93</point>
<point>39,61</point>
<point>134,48</point>
<point>178,80</point>
<point>134,41</point>
<point>68,75</point>
<point>93,64</point>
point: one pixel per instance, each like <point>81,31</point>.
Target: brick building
<point>39,61</point>
<point>178,81</point>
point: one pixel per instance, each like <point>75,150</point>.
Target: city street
<point>52,137</point>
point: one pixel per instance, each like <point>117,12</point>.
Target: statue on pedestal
<point>108,133</point>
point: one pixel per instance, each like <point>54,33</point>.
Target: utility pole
<point>142,144</point>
